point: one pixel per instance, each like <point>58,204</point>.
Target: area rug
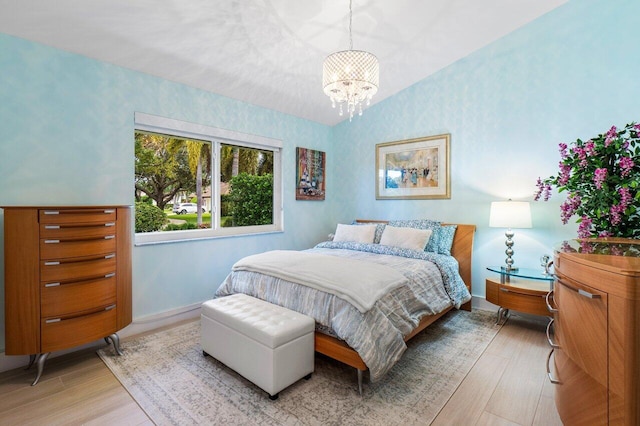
<point>168,376</point>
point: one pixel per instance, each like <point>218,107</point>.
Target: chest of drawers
<point>67,277</point>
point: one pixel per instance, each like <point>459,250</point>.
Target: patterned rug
<point>175,384</point>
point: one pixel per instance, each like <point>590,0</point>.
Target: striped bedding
<point>433,285</point>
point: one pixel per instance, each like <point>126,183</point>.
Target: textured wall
<point>67,139</point>
<point>570,74</point>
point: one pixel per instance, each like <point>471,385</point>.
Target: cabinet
<point>522,290</point>
<point>67,278</point>
<point>596,345</point>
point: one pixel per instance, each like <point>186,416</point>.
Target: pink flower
<point>564,174</point>
<point>563,150</point>
<point>626,165</point>
<point>589,147</point>
<point>637,127</point>
<point>584,229</point>
<point>544,190</point>
<point>599,176</point>
<point>625,197</point>
<point>569,207</point>
<point>610,136</point>
<point>615,214</point>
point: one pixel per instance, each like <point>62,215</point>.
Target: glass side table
<point>523,290</point>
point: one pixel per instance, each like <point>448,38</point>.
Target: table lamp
<point>510,214</point>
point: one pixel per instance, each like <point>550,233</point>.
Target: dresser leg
<point>359,380</point>
<point>32,359</point>
<point>42,358</point>
<point>113,338</point>
<point>503,316</point>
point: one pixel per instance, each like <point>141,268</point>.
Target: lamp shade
<point>510,214</point>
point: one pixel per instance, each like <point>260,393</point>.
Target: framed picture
<point>413,169</point>
<point>310,167</point>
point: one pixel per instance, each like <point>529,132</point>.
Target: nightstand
<point>522,290</point>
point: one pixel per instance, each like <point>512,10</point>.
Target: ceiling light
<point>350,77</point>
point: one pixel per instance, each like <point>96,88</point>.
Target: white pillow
<point>409,238</point>
<point>356,233</point>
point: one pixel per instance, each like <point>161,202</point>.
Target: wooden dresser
<point>67,278</point>
<point>596,318</point>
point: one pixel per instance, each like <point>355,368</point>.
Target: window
<point>194,181</point>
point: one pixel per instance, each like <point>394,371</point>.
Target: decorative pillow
<point>445,241</point>
<point>379,230</point>
<point>434,225</point>
<point>356,233</point>
<point>409,238</point>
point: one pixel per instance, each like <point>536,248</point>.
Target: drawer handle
<point>587,294</point>
<point>52,227</point>
<point>110,256</point>
<point>506,290</point>
<point>580,291</point>
<point>110,224</point>
<point>49,321</point>
<point>51,241</point>
<point>108,308</point>
<point>551,309</point>
<point>51,212</point>
<point>551,342</point>
<point>51,263</point>
<point>551,379</point>
<point>112,274</point>
<point>109,211</point>
<point>109,237</point>
<point>52,285</point>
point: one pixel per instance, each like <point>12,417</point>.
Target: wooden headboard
<point>462,250</point>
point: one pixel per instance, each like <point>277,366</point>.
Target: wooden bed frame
<point>462,250</point>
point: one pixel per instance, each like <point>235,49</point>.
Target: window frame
<point>217,137</point>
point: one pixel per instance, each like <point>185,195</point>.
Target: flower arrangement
<point>602,180</point>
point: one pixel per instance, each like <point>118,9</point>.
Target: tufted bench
<point>270,345</point>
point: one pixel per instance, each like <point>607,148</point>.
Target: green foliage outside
<point>149,218</point>
<point>252,198</point>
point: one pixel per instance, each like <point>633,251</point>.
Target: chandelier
<point>350,77</point>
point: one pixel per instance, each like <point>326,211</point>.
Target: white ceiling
<point>270,52</point>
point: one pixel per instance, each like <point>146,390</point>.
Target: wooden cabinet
<point>522,290</point>
<point>597,333</point>
<point>67,277</point>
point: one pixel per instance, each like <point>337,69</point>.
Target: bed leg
<point>359,380</point>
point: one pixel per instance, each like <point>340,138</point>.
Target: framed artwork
<point>414,169</point>
<point>310,169</point>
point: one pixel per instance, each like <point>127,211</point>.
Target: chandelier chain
<point>350,22</point>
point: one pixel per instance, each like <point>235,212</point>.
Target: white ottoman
<point>270,345</point>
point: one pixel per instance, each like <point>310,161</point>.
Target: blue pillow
<point>445,238</point>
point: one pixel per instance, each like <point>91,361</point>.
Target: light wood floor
<point>507,386</point>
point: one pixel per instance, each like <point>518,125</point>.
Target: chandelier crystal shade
<point>350,77</point>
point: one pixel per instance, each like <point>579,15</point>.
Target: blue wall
<point>569,74</point>
<point>67,132</point>
<point>67,139</point>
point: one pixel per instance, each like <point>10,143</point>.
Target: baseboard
<point>482,304</point>
<point>138,326</point>
<point>152,322</point>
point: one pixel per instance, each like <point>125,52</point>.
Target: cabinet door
<point>581,360</point>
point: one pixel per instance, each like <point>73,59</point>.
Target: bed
<point>368,337</point>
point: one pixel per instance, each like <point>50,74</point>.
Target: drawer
<point>60,216</point>
<point>512,298</point>
<point>580,399</point>
<point>77,269</point>
<point>64,299</point>
<point>58,249</point>
<point>59,333</point>
<point>77,231</point>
